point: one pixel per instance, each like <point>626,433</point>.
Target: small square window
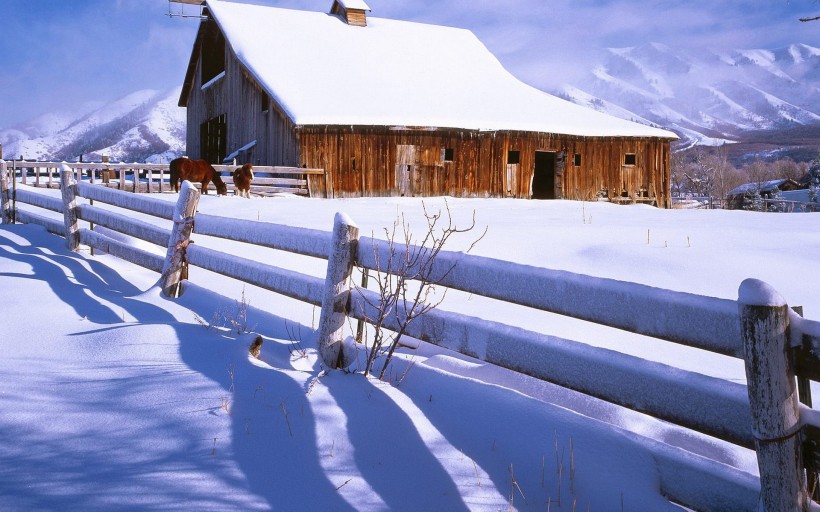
<point>576,160</point>
<point>447,154</point>
<point>513,157</point>
<point>630,159</point>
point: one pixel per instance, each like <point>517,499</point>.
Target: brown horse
<point>242,180</point>
<point>196,170</point>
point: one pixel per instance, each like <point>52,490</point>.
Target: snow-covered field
<point>113,397</point>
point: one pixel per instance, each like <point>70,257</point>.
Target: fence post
<point>336,298</point>
<point>69,192</point>
<point>5,197</point>
<point>175,262</point>
<point>770,376</point>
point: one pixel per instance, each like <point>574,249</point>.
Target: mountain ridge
<point>707,97</point>
<point>146,126</point>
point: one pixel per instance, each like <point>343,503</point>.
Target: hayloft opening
<point>213,53</point>
<point>576,160</point>
<point>513,157</point>
<point>543,178</point>
<point>447,154</point>
<point>630,159</point>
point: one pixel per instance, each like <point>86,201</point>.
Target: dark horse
<point>198,171</point>
<point>242,180</point>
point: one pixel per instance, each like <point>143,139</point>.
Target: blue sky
<point>56,54</point>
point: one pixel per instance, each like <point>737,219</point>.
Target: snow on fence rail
<point>776,343</point>
<point>148,178</point>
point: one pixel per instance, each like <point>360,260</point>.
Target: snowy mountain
<point>707,97</point>
<point>144,126</point>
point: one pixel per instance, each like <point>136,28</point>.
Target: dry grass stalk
<point>287,420</point>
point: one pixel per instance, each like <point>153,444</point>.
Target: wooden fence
<point>781,350</point>
<point>148,178</point>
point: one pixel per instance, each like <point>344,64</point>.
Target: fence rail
<point>155,178</point>
<point>730,411</point>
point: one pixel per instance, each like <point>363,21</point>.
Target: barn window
<point>447,154</point>
<point>263,100</point>
<point>630,159</point>
<point>213,53</point>
<point>576,160</point>
<point>513,157</point>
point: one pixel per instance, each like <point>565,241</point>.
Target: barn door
<point>543,177</point>
<point>213,139</point>
<point>513,171</point>
<point>405,169</point>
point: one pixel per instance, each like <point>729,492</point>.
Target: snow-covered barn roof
<point>322,71</point>
<point>763,186</point>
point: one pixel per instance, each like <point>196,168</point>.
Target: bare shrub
<point>406,282</point>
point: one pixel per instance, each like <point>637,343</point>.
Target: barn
<point>397,108</point>
<point>738,197</point>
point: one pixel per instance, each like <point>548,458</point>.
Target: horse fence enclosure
<point>149,178</point>
<point>781,350</point>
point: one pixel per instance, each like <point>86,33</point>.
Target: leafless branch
<point>407,283</point>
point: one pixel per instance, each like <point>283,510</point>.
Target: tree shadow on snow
<point>273,427</point>
<point>389,451</point>
<point>92,465</point>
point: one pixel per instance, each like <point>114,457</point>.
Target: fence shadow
<point>111,382</point>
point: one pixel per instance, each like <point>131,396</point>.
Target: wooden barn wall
<point>367,161</point>
<point>239,97</point>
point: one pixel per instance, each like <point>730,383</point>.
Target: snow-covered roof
<point>764,186</point>
<point>322,71</point>
<point>354,4</point>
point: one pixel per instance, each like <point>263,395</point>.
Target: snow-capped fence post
<point>336,297</point>
<point>772,388</point>
<point>70,218</point>
<point>5,196</point>
<point>175,262</point>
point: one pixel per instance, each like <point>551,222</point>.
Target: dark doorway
<point>213,139</point>
<point>543,178</point>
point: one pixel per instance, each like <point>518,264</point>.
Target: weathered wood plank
<point>772,389</point>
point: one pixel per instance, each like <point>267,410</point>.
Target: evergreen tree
<point>776,201</point>
<point>814,180</point>
<point>753,201</point>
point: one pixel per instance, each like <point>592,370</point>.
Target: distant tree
<point>788,169</point>
<point>677,176</point>
<point>775,202</point>
<point>709,173</point>
<point>701,174</point>
<point>726,176</point>
<point>753,201</point>
<point>814,180</point>
<point>759,172</point>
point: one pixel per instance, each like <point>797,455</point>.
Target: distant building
<point>391,107</point>
<point>736,199</point>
